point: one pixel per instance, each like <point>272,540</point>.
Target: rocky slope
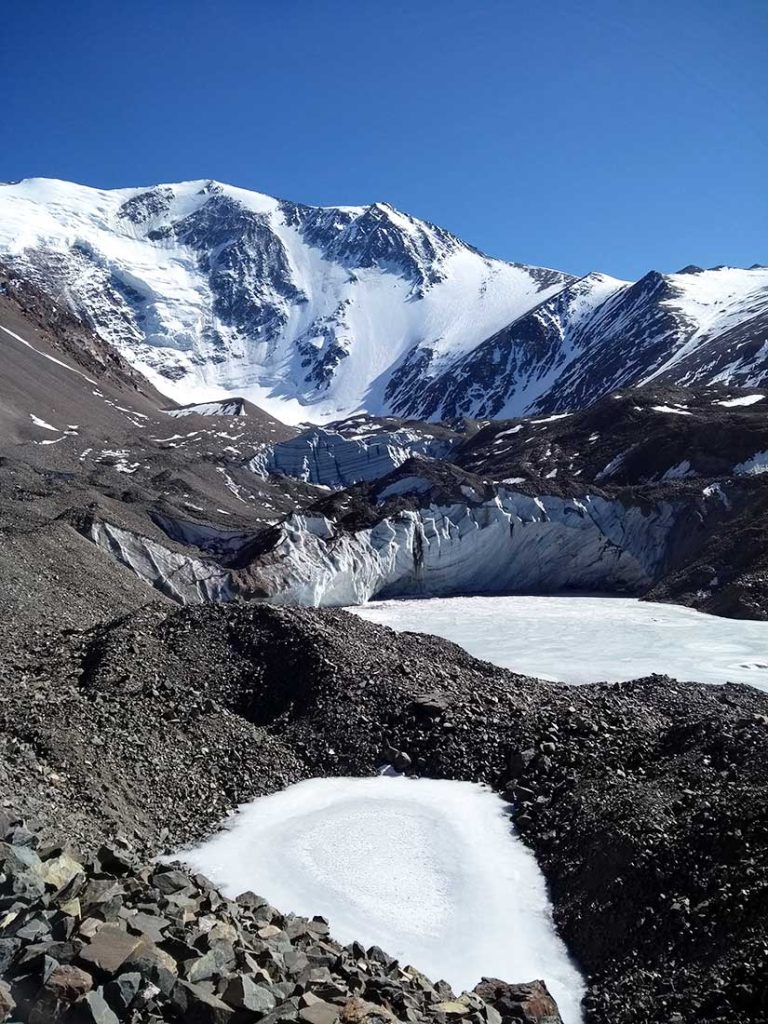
<point>318,313</point>
<point>107,939</point>
<point>645,802</point>
<point>122,713</point>
<point>655,491</point>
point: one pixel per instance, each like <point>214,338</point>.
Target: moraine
<point>577,639</point>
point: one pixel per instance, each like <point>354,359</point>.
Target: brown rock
<point>109,948</point>
<point>68,983</point>
<point>529,1003</point>
<point>6,1001</point>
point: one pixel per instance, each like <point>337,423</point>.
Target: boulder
<point>109,948</point>
<point>528,1003</point>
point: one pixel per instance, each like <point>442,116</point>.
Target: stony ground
<point>106,939</point>
<point>646,802</point>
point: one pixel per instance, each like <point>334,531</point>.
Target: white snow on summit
<point>212,290</point>
<point>315,313</point>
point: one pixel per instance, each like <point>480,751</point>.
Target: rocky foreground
<point>106,939</point>
<point>646,802</point>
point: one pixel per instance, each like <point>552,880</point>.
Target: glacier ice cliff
<point>330,458</point>
<point>510,543</point>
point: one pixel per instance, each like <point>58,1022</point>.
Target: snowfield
<point>431,871</point>
<point>588,639</point>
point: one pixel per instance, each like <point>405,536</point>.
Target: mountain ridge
<point>316,313</point>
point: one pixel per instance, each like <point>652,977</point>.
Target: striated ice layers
<point>510,543</point>
<point>431,871</point>
<point>331,459</point>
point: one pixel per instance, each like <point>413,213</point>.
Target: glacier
<point>513,542</point>
<point>340,455</point>
<point>510,543</point>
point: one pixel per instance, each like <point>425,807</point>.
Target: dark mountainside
<point>123,714</point>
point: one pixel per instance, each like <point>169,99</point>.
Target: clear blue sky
<point>612,135</point>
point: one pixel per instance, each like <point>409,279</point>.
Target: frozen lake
<point>430,871</point>
<point>588,639</point>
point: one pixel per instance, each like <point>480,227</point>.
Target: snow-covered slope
<point>317,313</point>
<point>212,290</point>
<point>599,334</point>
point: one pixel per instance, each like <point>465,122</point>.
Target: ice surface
<point>730,403</point>
<point>429,870</point>
<point>589,639</point>
<point>753,466</point>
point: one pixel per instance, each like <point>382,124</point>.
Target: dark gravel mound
<point>646,802</point>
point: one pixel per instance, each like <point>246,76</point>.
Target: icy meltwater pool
<point>430,871</point>
<point>588,639</point>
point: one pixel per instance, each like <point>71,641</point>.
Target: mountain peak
<point>316,312</point>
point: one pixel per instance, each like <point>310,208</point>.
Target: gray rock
<point>171,881</point>
<point>218,960</point>
<point>153,964</point>
<point>93,1009</point>
<point>151,925</point>
<point>319,1013</point>
<point>121,992</point>
<point>198,1006</point>
<point>244,994</point>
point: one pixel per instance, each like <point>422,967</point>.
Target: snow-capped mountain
<point>213,290</point>
<point>599,334</point>
<point>318,313</point>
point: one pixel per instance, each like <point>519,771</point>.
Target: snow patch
<point>731,403</point>
<point>671,409</point>
<point>42,423</point>
<point>396,862</point>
